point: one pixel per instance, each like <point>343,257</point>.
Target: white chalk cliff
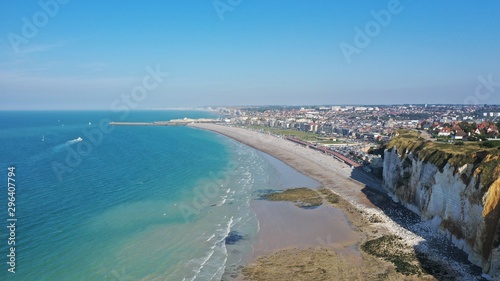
<point>461,196</point>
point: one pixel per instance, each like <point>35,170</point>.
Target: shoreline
<point>367,209</point>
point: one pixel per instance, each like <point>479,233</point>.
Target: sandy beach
<point>323,243</point>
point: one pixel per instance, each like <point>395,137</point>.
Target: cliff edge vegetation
<point>484,157</point>
<point>477,165</point>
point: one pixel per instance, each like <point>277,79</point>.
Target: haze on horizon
<point>57,54</point>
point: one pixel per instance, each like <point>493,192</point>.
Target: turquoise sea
<point>126,203</point>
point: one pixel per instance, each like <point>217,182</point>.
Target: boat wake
<point>56,149</point>
<point>70,142</point>
<point>79,139</point>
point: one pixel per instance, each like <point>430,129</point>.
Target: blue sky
<point>89,54</point>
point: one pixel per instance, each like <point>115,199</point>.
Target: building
<point>444,132</point>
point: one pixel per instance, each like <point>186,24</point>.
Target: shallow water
<point>133,203</point>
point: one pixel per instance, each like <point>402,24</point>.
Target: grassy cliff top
<point>486,161</point>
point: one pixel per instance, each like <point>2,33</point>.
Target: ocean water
<point>126,203</point>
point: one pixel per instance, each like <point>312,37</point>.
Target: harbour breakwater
<point>174,122</point>
<point>456,188</point>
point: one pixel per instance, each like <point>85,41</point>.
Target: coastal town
<point>232,140</point>
<point>439,162</point>
<point>353,133</point>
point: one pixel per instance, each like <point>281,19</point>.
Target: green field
<point>306,136</point>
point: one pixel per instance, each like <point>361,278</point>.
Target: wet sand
<point>284,225</point>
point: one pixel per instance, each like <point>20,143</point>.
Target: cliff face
<point>456,187</point>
